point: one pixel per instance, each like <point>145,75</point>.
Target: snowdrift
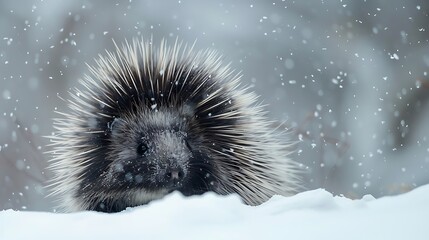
<point>309,215</point>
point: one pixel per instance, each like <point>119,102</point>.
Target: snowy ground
<point>310,215</point>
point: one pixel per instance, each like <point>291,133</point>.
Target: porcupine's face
<point>148,151</point>
<point>152,153</point>
<point>150,156</point>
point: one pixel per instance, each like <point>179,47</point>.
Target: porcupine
<point>147,121</point>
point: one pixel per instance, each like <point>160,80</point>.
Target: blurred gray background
<point>349,78</point>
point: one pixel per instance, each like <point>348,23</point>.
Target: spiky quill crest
<point>246,155</point>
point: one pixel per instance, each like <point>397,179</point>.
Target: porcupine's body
<point>150,121</point>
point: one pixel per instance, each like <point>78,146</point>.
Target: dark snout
<point>170,156</point>
<point>174,176</point>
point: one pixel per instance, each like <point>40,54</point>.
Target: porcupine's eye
<point>141,149</point>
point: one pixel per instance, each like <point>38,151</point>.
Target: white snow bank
<point>310,215</point>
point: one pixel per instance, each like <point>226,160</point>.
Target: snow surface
<point>309,215</point>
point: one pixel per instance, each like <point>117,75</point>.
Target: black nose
<point>174,176</point>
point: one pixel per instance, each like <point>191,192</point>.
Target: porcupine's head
<point>150,121</point>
